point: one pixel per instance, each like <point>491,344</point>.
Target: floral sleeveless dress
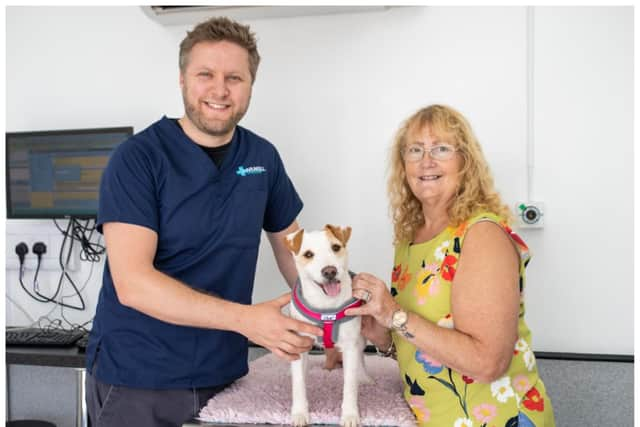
<point>439,396</point>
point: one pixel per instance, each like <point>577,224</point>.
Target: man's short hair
<point>219,29</point>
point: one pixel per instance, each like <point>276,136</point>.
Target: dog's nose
<point>329,272</point>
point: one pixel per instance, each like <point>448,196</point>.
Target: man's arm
<point>139,285</point>
<point>283,256</point>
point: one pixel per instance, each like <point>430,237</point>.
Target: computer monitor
<point>56,174</point>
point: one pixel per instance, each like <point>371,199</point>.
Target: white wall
<point>583,274</point>
<point>330,93</point>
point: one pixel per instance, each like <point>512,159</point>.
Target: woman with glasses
<point>454,316</point>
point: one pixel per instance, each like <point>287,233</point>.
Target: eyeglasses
<point>415,152</point>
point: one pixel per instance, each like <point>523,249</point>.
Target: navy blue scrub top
<point>208,222</point>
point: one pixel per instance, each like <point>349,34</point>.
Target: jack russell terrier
<point>321,295</point>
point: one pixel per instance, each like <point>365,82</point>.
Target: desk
<point>67,357</point>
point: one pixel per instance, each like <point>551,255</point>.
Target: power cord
<point>64,265</point>
<point>22,250</point>
<point>84,285</point>
<point>90,251</point>
<point>39,248</point>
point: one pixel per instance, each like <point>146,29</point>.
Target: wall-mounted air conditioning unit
<point>183,15</point>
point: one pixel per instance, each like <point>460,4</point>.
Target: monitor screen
<point>56,174</point>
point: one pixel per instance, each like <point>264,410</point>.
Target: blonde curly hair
<point>476,190</point>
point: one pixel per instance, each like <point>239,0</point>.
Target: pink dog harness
<point>328,318</point>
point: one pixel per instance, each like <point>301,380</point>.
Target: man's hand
<point>372,330</point>
<point>267,326</point>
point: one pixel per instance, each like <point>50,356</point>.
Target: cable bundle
<point>90,252</point>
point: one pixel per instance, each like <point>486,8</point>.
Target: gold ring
<point>367,296</point>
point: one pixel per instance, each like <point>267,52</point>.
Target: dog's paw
<point>330,365</point>
<point>350,420</point>
<point>300,419</point>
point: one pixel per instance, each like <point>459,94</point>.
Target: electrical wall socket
<point>50,259</point>
<point>530,214</point>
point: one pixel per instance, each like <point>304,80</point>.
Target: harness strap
<point>327,335</point>
<point>326,318</point>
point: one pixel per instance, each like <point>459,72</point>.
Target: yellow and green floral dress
<point>439,396</point>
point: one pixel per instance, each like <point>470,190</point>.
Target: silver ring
<point>367,296</point>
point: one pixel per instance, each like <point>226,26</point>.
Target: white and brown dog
<point>321,296</point>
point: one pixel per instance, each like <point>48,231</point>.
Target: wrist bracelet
<point>390,352</point>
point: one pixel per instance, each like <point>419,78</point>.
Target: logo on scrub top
<point>252,170</point>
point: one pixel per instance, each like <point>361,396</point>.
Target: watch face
<point>399,318</point>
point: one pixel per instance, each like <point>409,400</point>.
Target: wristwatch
<point>399,320</point>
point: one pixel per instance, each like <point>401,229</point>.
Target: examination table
<point>263,396</point>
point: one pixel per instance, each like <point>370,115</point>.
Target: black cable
<point>64,273</point>
<point>90,251</point>
<point>56,325</point>
<point>35,276</point>
<point>22,250</point>
<point>64,266</point>
<point>57,226</point>
<point>82,326</point>
<point>20,276</point>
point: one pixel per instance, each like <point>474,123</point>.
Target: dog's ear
<point>293,241</point>
<point>341,234</point>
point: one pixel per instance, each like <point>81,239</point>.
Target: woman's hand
<point>379,304</point>
<point>377,334</point>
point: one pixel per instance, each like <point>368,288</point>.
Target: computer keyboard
<point>43,337</point>
<point>82,343</point>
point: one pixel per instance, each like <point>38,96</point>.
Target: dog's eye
<point>308,254</point>
<point>335,247</point>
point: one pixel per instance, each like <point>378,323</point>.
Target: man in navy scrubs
<point>182,206</point>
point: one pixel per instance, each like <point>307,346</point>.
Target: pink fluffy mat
<point>263,396</point>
